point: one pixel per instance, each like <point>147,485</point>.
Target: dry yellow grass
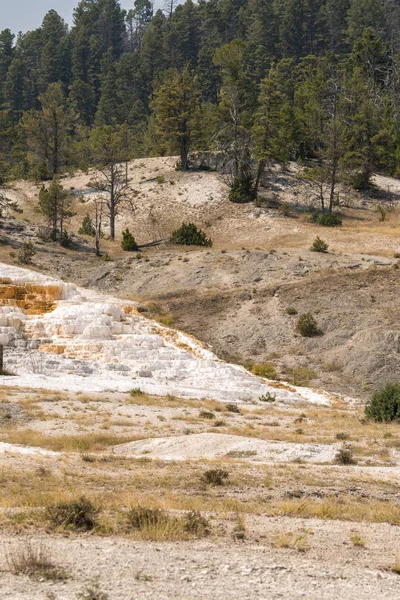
<point>88,442</point>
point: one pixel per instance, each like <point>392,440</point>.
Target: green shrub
<point>329,220</point>
<point>190,235</point>
<point>291,311</point>
<point>268,398</point>
<point>26,253</point>
<point>66,239</point>
<point>265,370</point>
<point>80,515</point>
<point>319,245</point>
<point>384,405</point>
<point>160,179</point>
<point>284,209</point>
<point>307,326</point>
<point>382,213</point>
<point>87,227</point>
<point>242,190</point>
<point>128,243</point>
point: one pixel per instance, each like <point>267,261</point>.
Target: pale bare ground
<point>322,561</point>
<point>276,529</point>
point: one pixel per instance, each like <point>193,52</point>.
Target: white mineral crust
<point>90,343</point>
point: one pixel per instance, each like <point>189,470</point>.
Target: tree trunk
<point>260,171</point>
<point>333,186</point>
<point>184,154</point>
<point>112,207</point>
<point>55,150</point>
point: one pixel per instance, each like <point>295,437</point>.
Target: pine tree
<point>270,129</point>
<point>363,14</point>
<point>55,204</point>
<point>6,56</point>
<point>55,51</point>
<point>175,106</point>
<point>48,130</point>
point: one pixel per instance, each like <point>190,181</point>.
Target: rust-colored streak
<point>32,298</point>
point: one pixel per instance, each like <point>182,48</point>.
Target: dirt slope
<point>234,296</point>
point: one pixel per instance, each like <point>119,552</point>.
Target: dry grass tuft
<point>357,540</point>
<point>291,540</point>
<point>34,561</point>
<point>158,525</point>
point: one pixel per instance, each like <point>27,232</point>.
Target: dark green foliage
<point>128,243</point>
<point>87,227</point>
<point>384,405</point>
<point>242,190</point>
<point>66,239</point>
<point>329,220</point>
<point>79,515</point>
<point>290,311</point>
<point>263,81</point>
<point>319,245</point>
<point>190,235</point>
<point>268,397</point>
<point>307,326</point>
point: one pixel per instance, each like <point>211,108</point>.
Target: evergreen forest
<point>259,81</point>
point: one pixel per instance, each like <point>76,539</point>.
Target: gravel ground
<point>127,570</point>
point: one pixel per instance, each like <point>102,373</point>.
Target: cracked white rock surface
<point>93,343</point>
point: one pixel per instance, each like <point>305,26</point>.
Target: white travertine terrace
<point>93,343</point>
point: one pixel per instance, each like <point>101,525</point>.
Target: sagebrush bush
<point>215,477</point>
<point>319,246</point>
<point>195,524</point>
<point>80,515</point>
<point>233,408</point>
<point>384,405</point>
<point>26,253</point>
<point>290,311</point>
<point>344,456</point>
<point>307,326</point>
<point>329,220</point>
<point>189,235</point>
<point>128,243</point>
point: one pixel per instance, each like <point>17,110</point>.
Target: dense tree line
<point>262,80</point>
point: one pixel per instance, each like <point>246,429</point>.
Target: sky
<point>24,15</point>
